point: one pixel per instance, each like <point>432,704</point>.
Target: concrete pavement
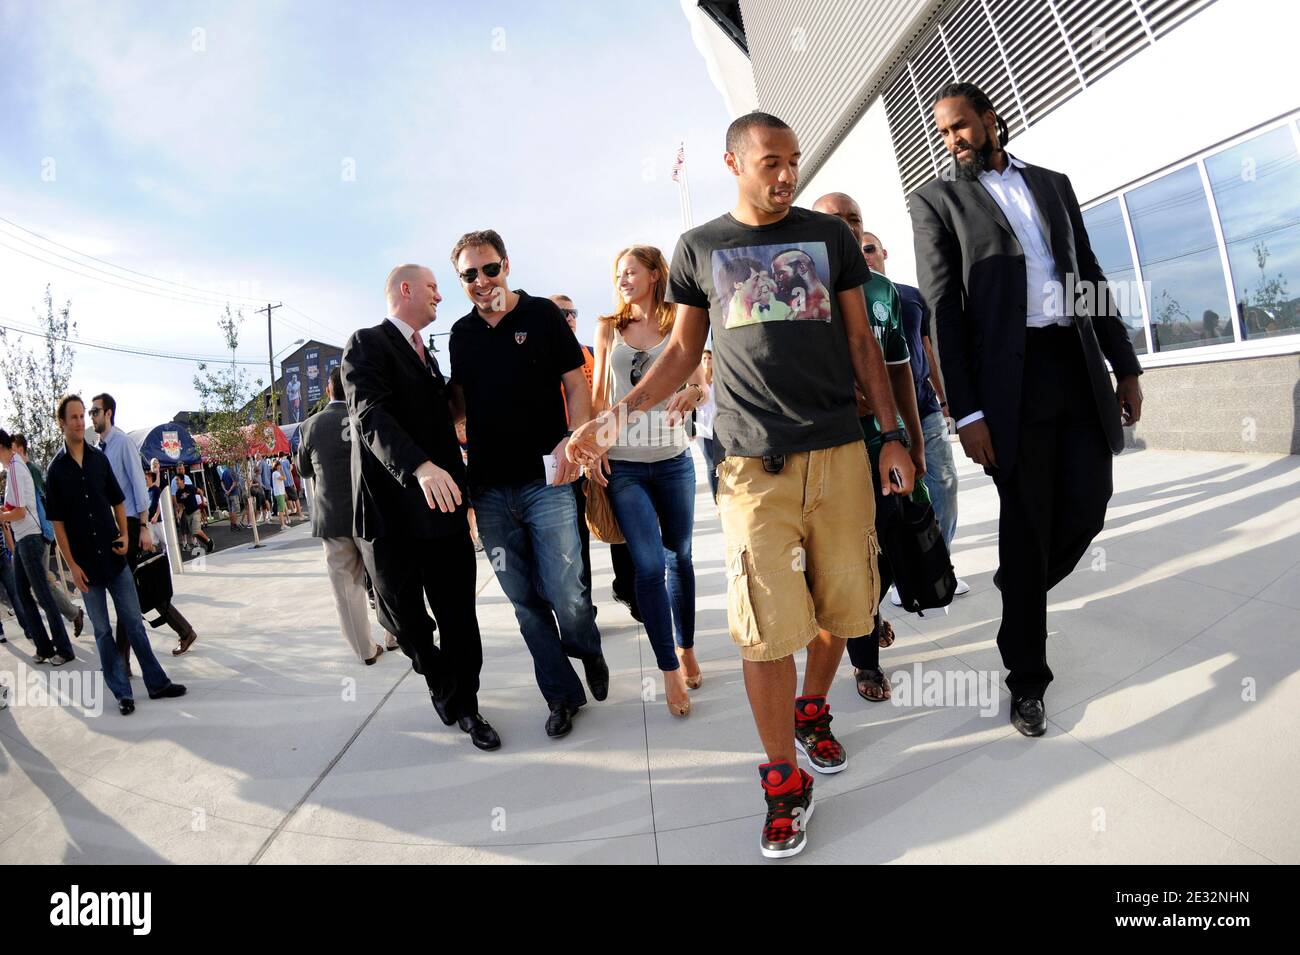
<point>1176,647</point>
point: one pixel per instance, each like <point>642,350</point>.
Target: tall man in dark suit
<point>325,456</point>
<point>409,512</point>
<point>1025,326</point>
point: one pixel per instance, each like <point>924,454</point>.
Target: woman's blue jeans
<point>655,507</point>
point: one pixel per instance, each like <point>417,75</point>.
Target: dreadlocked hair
<point>980,103</point>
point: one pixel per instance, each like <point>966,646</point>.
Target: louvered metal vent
<point>1029,56</point>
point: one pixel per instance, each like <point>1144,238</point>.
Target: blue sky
<point>213,145</point>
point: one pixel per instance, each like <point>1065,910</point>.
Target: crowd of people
<point>819,397</point>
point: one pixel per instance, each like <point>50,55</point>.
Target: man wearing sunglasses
<point>509,357</point>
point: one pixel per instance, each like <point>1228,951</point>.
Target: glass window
<point>1105,225</point>
<point>1180,261</point>
<point>1257,191</point>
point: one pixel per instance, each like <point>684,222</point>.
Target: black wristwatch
<point>898,434</point>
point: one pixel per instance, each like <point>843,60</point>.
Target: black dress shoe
<point>597,671</point>
<point>480,731</point>
<point>168,692</point>
<point>1028,716</point>
<point>560,721</point>
<point>442,713</point>
<point>126,707</point>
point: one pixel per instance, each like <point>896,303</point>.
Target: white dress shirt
<point>1044,300</point>
<point>407,331</point>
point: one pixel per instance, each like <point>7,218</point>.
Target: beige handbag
<point>600,512</point>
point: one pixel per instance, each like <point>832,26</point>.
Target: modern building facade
<point>300,384</point>
<point>1177,121</point>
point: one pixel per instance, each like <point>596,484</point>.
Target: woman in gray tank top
<point>651,471</point>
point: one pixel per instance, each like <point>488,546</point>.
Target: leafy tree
<point>36,380</point>
<point>223,394</point>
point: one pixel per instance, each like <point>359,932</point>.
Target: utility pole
<point>270,364</point>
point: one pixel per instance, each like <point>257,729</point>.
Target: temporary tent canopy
<point>170,443</point>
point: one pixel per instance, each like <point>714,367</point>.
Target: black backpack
<point>153,583</point>
<point>913,544</point>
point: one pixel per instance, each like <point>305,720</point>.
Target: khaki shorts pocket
<point>874,557</point>
<point>741,619</point>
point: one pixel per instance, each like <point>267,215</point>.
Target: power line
<point>95,278</point>
<point>328,328</point>
<point>121,268</point>
<point>211,298</point>
<point>81,343</point>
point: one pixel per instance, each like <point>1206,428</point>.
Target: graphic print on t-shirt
<point>773,283</point>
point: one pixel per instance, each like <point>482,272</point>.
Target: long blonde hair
<point>652,259</point>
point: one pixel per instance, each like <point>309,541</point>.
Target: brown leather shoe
<point>186,642</point>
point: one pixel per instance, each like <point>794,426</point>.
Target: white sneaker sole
<point>788,853</point>
<point>826,770</point>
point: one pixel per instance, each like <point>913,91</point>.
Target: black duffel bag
<point>153,582</point>
<point>913,544</point>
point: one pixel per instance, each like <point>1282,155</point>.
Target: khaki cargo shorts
<point>801,549</point>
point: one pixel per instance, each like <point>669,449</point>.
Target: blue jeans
<point>30,575</point>
<point>126,602</point>
<point>10,585</point>
<point>655,507</point>
<point>530,534</point>
<point>940,475</point>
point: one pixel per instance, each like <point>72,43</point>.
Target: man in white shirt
<point>29,559</point>
<point>1026,326</point>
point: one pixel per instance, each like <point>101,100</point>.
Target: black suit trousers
<point>405,569</point>
<point>1053,498</point>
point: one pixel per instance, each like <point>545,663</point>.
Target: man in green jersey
<point>884,313</point>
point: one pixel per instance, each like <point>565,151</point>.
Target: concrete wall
<point>1252,404</point>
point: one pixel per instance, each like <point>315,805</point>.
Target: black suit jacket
<point>325,455</point>
<point>972,273</point>
<point>400,420</point>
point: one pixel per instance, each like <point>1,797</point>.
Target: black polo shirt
<point>83,496</point>
<point>511,377</point>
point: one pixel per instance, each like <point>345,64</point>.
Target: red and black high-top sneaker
<point>813,736</point>
<point>789,794</point>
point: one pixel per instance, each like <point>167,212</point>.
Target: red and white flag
<point>679,162</point>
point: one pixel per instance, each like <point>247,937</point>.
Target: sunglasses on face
<point>96,412</point>
<point>570,312</point>
<point>491,270</point>
<point>870,248</point>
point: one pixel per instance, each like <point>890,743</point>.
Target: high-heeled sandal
<point>677,709</point>
<point>692,682</point>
